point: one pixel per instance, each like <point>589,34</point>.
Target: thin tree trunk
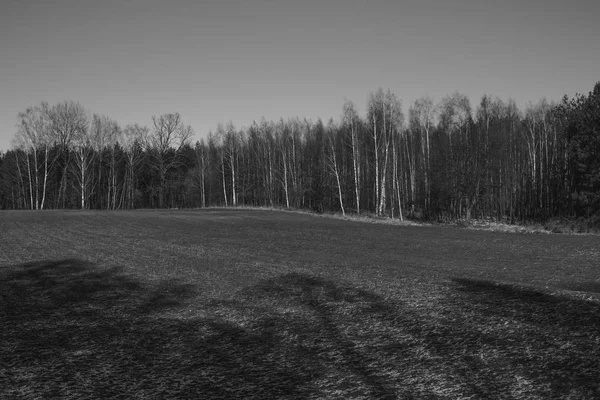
<point>333,165</point>
<point>100,194</point>
<point>45,177</point>
<point>202,177</point>
<point>63,183</point>
<point>399,200</point>
<point>82,160</point>
<point>114,178</point>
<point>223,176</point>
<point>377,191</point>
<point>232,164</point>
<point>22,184</point>
<point>37,184</point>
<point>396,183</point>
<point>30,184</point>
<point>270,178</point>
<point>355,167</point>
<point>383,197</point>
<point>285,180</point>
<point>294,167</point>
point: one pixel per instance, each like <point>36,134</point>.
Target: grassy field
<point>263,304</point>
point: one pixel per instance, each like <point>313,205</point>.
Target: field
<point>263,304</point>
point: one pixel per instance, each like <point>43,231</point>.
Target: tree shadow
<point>552,340</point>
<point>72,329</point>
<point>590,287</point>
<point>530,305</point>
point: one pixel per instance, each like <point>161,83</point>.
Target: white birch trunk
<point>285,179</point>
<point>355,167</point>
<point>223,176</point>
<point>45,177</point>
<point>30,184</point>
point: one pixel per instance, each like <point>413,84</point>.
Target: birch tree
<point>34,132</point>
<point>105,134</point>
<point>164,144</point>
<point>422,114</point>
<point>376,117</point>
<point>68,119</point>
<point>351,121</point>
<point>132,139</point>
<point>202,161</point>
<point>332,163</point>
<point>84,154</point>
<point>230,144</point>
<point>395,124</point>
<point>282,143</point>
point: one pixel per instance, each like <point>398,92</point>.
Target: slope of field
<point>259,304</point>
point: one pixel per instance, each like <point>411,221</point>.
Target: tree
<point>351,121</point>
<point>132,139</point>
<point>376,116</point>
<point>82,143</point>
<point>422,115</point>
<point>396,131</point>
<point>283,140</point>
<point>386,117</point>
<point>32,137</point>
<point>105,134</point>
<point>68,119</point>
<point>332,163</point>
<point>584,137</point>
<point>163,146</point>
<point>230,143</point>
<point>496,162</point>
<point>454,127</point>
<point>202,162</point>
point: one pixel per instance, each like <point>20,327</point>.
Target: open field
<point>259,304</point>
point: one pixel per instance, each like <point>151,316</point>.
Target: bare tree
<point>203,163</point>
<point>376,114</point>
<point>385,113</point>
<point>230,142</point>
<point>282,138</point>
<point>105,134</point>
<point>268,153</point>
<point>351,120</point>
<point>69,126</point>
<point>218,141</point>
<point>33,137</point>
<point>333,164</point>
<point>422,116</point>
<point>132,139</point>
<point>396,129</point>
<point>67,120</point>
<point>84,155</point>
<point>164,145</point>
<point>454,122</point>
<point>21,145</point>
<point>536,137</point>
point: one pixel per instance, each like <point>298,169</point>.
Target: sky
<point>241,60</point>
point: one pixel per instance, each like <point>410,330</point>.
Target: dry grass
<point>256,304</point>
<point>556,226</point>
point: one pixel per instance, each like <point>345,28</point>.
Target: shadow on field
<point>71,329</point>
<point>553,341</point>
<point>592,287</point>
<point>530,305</point>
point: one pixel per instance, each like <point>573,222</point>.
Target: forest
<point>443,161</point>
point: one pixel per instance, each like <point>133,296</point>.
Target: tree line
<point>443,161</point>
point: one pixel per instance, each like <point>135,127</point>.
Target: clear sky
<point>215,61</point>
